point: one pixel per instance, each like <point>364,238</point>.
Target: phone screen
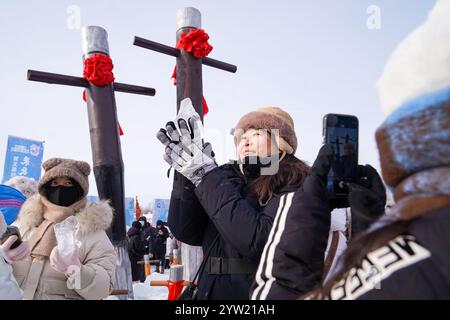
<point>341,132</point>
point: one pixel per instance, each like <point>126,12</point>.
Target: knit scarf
<point>414,147</point>
<point>43,239</point>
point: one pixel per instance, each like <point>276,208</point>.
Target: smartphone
<point>341,131</point>
<point>10,231</point>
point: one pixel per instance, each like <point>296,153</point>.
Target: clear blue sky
<point>307,57</point>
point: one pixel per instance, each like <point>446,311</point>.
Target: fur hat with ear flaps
<point>59,167</point>
<point>270,118</point>
<point>414,92</point>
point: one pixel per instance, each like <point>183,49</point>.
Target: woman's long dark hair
<point>291,172</point>
<point>359,247</point>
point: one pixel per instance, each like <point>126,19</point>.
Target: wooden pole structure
<point>147,266</point>
<point>170,51</point>
<point>189,85</point>
<point>165,283</point>
<point>107,153</point>
<point>189,68</point>
<point>105,140</point>
<point>55,78</point>
<point>105,145</point>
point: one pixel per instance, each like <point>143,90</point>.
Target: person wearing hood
<point>405,254</point>
<point>148,233</point>
<point>136,250</point>
<point>87,271</point>
<point>230,209</point>
<point>160,245</point>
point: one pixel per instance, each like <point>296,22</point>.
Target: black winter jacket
<point>221,204</point>
<point>160,241</point>
<point>414,265</point>
<point>292,261</point>
<point>136,251</point>
<point>137,244</point>
<point>148,232</point>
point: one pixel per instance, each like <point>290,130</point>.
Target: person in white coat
<point>9,289</point>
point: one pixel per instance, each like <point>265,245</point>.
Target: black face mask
<point>63,196</point>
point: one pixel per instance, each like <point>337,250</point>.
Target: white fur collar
<point>95,216</point>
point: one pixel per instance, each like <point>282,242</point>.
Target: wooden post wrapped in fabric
<point>104,132</point>
<point>189,68</point>
<point>105,143</point>
<point>106,152</point>
<point>189,84</point>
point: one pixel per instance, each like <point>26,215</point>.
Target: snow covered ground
<point>143,291</point>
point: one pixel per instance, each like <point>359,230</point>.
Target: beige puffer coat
<point>40,281</point>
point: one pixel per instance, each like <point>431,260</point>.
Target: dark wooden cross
<point>105,141</point>
<point>189,85</point>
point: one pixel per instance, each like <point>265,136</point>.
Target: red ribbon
<point>98,71</point>
<point>195,41</point>
<point>175,289</point>
<point>174,79</point>
<point>205,106</point>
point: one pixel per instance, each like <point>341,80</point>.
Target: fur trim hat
<point>58,167</point>
<point>420,63</point>
<point>414,92</point>
<point>270,118</point>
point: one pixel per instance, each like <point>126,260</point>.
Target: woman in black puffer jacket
<point>232,207</point>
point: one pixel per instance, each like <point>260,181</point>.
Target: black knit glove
<point>316,180</point>
<point>367,198</point>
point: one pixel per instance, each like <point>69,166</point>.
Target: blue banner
<point>160,210</point>
<point>23,158</point>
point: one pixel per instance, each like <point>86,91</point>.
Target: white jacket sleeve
<point>9,289</point>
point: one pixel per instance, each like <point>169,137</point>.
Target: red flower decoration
<point>195,41</point>
<point>98,70</point>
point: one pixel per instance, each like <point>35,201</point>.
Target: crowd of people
<point>156,242</point>
<point>267,229</point>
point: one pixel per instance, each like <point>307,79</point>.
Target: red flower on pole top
<point>195,41</point>
<point>98,70</point>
